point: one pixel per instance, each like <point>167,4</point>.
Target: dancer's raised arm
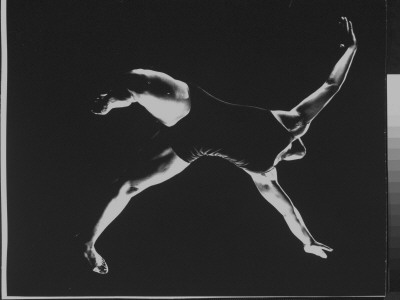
<point>309,108</point>
<point>270,189</point>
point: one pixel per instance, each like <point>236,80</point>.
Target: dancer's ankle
<point>89,245</point>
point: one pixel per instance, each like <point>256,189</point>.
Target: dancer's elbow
<point>332,85</point>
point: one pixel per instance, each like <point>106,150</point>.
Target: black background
<point>206,231</point>
<point>393,37</point>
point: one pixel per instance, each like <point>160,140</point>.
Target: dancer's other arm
<point>270,189</point>
<point>129,87</point>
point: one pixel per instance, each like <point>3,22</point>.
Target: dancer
<point>199,124</point>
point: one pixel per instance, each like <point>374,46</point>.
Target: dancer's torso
<point>249,137</point>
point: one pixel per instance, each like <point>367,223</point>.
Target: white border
<point>3,108</point>
<point>191,297</point>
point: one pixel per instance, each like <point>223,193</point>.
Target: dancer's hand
<point>100,104</point>
<point>317,249</point>
<point>349,38</point>
<point>105,102</point>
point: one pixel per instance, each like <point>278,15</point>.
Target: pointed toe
<point>102,269</point>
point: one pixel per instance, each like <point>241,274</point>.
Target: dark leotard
<point>249,137</point>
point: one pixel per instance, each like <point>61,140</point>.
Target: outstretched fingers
<point>346,24</point>
<point>322,254</point>
<point>353,36</point>
<point>326,248</point>
<point>350,26</point>
<point>318,249</point>
<point>349,36</point>
<point>319,252</point>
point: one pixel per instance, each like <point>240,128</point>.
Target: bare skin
<point>167,99</point>
<point>160,168</point>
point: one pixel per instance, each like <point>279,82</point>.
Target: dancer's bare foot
<point>95,260</point>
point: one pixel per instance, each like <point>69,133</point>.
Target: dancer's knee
<point>134,186</point>
<point>300,128</point>
<point>130,188</point>
<point>294,121</point>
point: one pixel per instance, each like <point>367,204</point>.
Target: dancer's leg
<point>161,168</point>
<point>268,186</point>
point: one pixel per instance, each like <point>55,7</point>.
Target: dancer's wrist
<point>353,47</point>
<point>308,241</point>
